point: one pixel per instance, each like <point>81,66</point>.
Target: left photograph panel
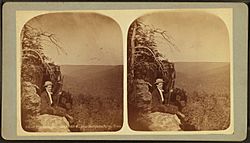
<point>71,73</point>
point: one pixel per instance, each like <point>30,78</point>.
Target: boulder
<point>30,106</point>
<point>158,121</point>
<point>141,97</point>
<point>32,121</point>
<point>30,100</point>
<point>52,123</point>
<point>163,122</point>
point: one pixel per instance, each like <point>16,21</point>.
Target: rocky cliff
<point>32,120</point>
<point>141,117</point>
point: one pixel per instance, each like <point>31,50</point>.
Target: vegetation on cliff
<point>35,69</point>
<point>207,104</point>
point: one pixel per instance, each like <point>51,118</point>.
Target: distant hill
<point>194,68</point>
<point>206,76</point>
<point>102,80</point>
<point>94,80</point>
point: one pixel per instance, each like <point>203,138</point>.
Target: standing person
<point>48,103</point>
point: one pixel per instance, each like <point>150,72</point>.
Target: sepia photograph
<point>71,73</point>
<point>124,71</point>
<point>178,72</point>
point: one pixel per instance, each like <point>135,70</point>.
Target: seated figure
<point>48,103</point>
<point>159,100</point>
<point>146,114</point>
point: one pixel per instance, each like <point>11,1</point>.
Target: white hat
<point>159,80</point>
<point>47,83</point>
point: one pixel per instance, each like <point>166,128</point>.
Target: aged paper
<point>75,25</point>
<point>126,73</point>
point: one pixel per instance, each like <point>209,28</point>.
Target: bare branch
<point>151,29</point>
<point>54,41</point>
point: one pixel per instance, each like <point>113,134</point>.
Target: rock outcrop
<point>52,123</point>
<point>158,121</point>
<point>143,118</point>
<point>32,121</point>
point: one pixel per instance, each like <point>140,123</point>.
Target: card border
<point>240,28</point>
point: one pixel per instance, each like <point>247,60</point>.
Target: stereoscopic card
<point>124,71</point>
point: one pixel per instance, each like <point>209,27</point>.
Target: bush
<point>208,111</point>
<point>97,113</point>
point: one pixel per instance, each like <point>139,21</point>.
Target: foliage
<point>97,95</point>
<point>34,61</point>
<point>144,59</point>
<point>204,110</point>
<point>92,113</point>
<point>208,94</point>
<point>35,68</point>
<point>208,111</point>
<point>97,113</point>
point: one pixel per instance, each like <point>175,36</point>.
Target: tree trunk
<point>133,48</point>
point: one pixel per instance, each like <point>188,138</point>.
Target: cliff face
<point>32,121</point>
<point>30,106</point>
<point>141,117</point>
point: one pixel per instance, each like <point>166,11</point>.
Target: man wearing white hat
<point>158,98</point>
<point>47,102</point>
<point>46,99</point>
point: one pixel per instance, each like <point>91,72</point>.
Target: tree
<point>144,59</point>
<point>35,67</point>
<point>34,62</point>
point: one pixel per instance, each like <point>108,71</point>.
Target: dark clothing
<point>159,106</point>
<point>156,97</point>
<point>47,108</point>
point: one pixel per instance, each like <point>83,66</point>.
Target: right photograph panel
<point>178,72</point>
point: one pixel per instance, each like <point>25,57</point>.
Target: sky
<point>87,38</point>
<point>94,39</point>
<point>200,36</point>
